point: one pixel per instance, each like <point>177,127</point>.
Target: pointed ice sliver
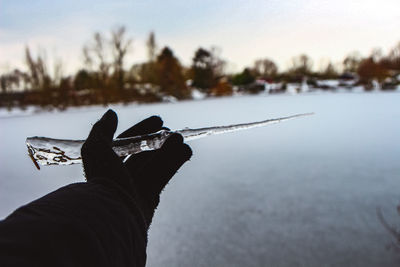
<point>49,151</point>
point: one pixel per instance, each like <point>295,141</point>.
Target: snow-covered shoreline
<point>32,110</point>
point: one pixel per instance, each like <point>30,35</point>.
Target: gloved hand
<point>103,222</point>
<point>142,176</point>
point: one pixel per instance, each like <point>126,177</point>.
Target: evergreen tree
<point>202,70</point>
<point>170,76</point>
<point>244,78</point>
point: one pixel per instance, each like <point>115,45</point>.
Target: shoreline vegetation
<point>106,78</point>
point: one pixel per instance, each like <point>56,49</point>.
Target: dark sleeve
<point>83,224</point>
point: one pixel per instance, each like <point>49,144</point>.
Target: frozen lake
<point>299,193</point>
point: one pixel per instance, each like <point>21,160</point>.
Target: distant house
<point>348,76</point>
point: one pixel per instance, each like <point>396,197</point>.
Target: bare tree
<point>96,57</point>
<point>351,62</point>
<point>12,81</point>
<point>151,47</point>
<point>376,54</point>
<point>87,57</point>
<point>31,64</point>
<point>329,72</point>
<point>218,63</point>
<point>58,72</point>
<point>37,70</point>
<point>120,46</point>
<point>265,68</point>
<point>394,57</point>
<point>302,65</point>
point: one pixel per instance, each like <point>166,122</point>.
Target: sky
<point>243,30</point>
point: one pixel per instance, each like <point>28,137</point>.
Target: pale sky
<point>244,30</point>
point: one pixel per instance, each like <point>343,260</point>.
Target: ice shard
<point>49,151</point>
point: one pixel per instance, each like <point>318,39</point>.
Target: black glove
<point>143,176</point>
<point>103,222</point>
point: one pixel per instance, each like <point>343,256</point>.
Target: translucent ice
<point>49,151</point>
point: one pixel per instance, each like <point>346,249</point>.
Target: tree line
<point>106,78</point>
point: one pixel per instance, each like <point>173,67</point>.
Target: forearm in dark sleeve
<point>84,224</point>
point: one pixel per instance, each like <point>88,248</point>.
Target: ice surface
<point>305,195</point>
<point>50,151</point>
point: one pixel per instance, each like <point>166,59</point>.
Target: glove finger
<point>138,161</point>
<point>153,177</point>
<point>149,125</point>
<point>103,130</point>
<point>99,160</point>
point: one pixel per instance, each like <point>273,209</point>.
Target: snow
<point>271,86</point>
<point>330,83</point>
<point>197,94</point>
<point>302,192</point>
<point>304,86</point>
<point>17,112</point>
<point>292,88</point>
<point>169,98</point>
